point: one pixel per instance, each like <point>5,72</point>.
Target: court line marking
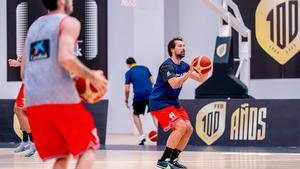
<point>98,161</point>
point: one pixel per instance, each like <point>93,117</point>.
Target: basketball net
<point>128,3</point>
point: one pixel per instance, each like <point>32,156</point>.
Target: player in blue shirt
<point>164,103</point>
<point>141,79</point>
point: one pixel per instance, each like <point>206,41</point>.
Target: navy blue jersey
<point>139,76</point>
<point>162,94</point>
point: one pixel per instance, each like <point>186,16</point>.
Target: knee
<point>189,129</point>
<point>181,126</point>
<point>90,154</point>
<point>136,116</point>
<point>61,162</point>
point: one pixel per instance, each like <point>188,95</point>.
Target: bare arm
<point>199,78</point>
<point>23,60</point>
<point>70,29</point>
<point>176,82</point>
<point>127,91</point>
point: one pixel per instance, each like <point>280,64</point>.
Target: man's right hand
<point>127,105</point>
<point>192,65</point>
<point>100,82</point>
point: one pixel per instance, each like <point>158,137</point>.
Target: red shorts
<point>59,130</point>
<point>167,116</point>
<point>20,99</point>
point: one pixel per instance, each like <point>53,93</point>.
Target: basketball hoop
<point>128,3</point>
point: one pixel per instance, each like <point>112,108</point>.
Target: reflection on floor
<point>121,156</point>
<point>125,139</point>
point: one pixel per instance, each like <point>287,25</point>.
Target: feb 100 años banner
<point>275,37</point>
<point>92,42</point>
<point>242,122</point>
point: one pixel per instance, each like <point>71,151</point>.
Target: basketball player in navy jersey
<point>59,122</point>
<point>164,104</point>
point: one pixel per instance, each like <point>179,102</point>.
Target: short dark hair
<point>171,44</point>
<point>130,61</point>
<point>50,5</point>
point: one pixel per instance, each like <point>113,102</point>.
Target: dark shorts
<point>139,107</point>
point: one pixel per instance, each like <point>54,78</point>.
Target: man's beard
<point>180,55</point>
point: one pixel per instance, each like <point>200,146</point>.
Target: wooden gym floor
<point>117,156</point>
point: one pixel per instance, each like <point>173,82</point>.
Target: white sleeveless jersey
<point>46,82</point>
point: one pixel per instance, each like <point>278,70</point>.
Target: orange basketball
<point>153,135</point>
<point>202,64</point>
<point>87,91</point>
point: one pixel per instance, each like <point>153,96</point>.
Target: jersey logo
<point>168,74</point>
<point>172,116</point>
<point>39,50</point>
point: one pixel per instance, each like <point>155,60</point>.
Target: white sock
<point>142,137</point>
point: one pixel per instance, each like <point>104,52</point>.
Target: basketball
<point>153,135</point>
<point>202,64</point>
<point>87,91</point>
